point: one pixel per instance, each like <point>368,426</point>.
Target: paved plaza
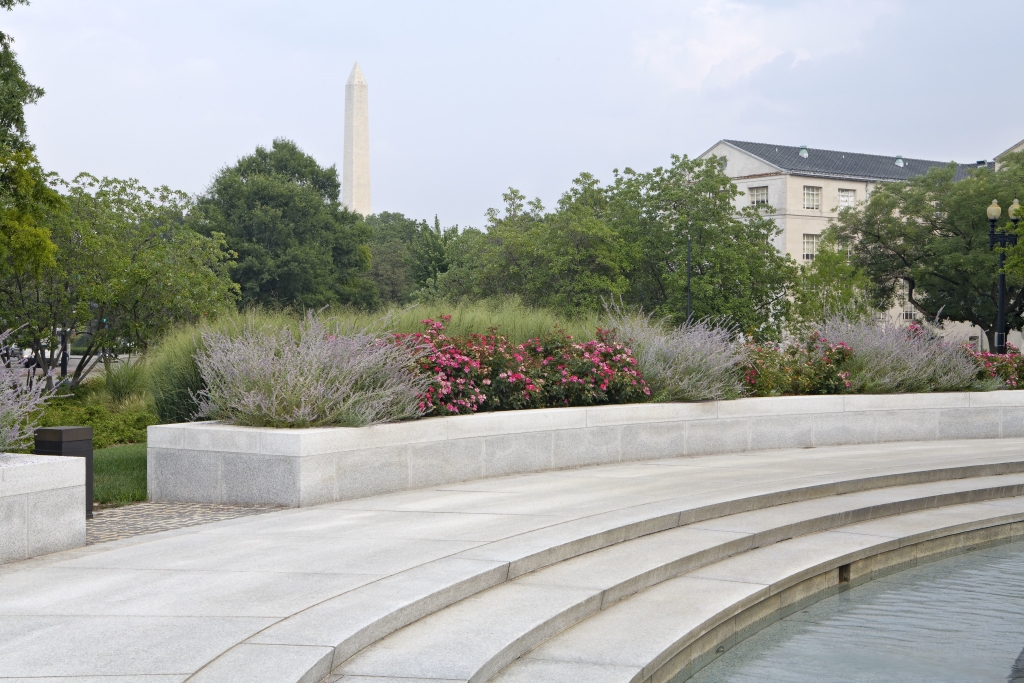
<point>306,589</point>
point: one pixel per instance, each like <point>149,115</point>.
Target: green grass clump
<point>119,474</point>
<point>112,422</point>
<point>125,380</point>
<point>514,320</point>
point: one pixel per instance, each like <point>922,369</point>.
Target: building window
<point>758,195</point>
<point>847,198</point>
<point>812,197</point>
<point>810,246</point>
<point>909,312</point>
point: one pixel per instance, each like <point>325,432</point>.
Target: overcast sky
<point>468,98</point>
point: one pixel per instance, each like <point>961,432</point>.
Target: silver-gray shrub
<point>309,376</point>
<point>19,405</point>
<point>695,361</point>
<point>892,358</point>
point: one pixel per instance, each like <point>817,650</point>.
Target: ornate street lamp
<point>1003,239</point>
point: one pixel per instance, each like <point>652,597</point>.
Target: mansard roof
<point>828,163</point>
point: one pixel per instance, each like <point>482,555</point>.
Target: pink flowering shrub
<point>486,372</point>
<point>455,379</point>
<point>816,366</point>
<point>1006,369</point>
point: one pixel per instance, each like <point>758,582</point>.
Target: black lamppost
<point>1003,239</point>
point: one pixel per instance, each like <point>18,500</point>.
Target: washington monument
<point>355,183</point>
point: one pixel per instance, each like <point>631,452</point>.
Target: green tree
<point>829,286</point>
<point>566,260</point>
<point>15,91</point>
<point>297,245</point>
<point>428,253</point>
<point>26,198</point>
<point>737,273</point>
<point>928,237</point>
<point>126,268</point>
<point>406,254</point>
<point>25,192</point>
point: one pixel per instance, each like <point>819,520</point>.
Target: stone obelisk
<point>355,183</point>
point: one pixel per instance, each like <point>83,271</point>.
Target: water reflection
<point>1017,674</point>
<point>956,620</point>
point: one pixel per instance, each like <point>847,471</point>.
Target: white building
<point>805,186</point>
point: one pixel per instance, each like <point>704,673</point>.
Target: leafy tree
<point>406,254</point>
<point>428,252</point>
<point>829,286</point>
<point>15,91</point>
<point>928,236</point>
<point>25,192</point>
<point>565,260</point>
<point>26,198</point>
<point>737,273</point>
<point>126,268</point>
<point>297,245</point>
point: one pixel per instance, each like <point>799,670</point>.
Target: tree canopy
<point>405,254</point>
<point>296,244</point>
<point>126,267</point>
<point>928,237</point>
<point>629,240</point>
<point>15,91</point>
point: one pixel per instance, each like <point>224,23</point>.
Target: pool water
<point>959,620</point>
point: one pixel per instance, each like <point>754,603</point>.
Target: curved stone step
<point>678,626</point>
<point>475,638</point>
<point>519,524</point>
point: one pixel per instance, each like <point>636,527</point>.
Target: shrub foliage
<point>309,377</point>
<point>487,372</point>
<point>695,361</point>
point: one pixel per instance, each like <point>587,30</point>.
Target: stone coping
<point>216,436</point>
<point>225,464</point>
<point>20,473</point>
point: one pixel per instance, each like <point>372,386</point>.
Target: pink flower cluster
<point>452,390</point>
<point>486,371</point>
<point>1006,367</point>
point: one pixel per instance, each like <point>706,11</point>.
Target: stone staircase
<point>637,610</point>
<point>642,571</point>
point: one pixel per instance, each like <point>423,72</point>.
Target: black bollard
<point>69,441</point>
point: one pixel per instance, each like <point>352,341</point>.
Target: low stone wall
<point>42,505</point>
<point>215,463</point>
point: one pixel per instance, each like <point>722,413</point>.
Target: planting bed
<point>216,463</point>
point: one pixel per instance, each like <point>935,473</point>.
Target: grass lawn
<point>119,474</point>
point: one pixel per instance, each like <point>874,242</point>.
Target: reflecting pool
<point>958,620</point>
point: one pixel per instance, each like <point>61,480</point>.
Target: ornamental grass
<point>308,377</point>
<point>695,361</point>
<point>20,404</point>
<point>891,358</point>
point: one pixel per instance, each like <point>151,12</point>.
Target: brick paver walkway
<point>146,518</point>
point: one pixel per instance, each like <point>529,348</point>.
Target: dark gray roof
<point>831,164</point>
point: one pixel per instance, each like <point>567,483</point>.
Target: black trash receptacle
<point>69,441</point>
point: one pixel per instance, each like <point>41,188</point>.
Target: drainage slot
<point>844,573</point>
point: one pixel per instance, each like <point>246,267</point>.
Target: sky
<point>468,99</point>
